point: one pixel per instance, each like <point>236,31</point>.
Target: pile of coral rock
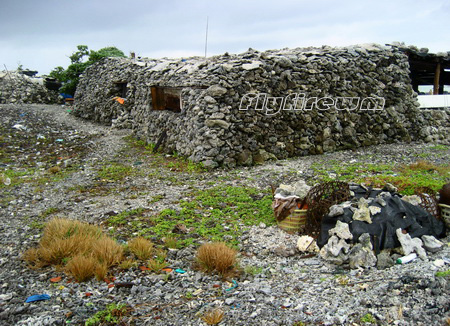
<point>20,87</point>
<point>375,227</point>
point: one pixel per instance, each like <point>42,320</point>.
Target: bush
<point>70,77</point>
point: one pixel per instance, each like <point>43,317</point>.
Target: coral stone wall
<point>16,87</point>
<point>221,122</point>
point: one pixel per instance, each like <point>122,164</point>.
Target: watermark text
<point>272,105</point>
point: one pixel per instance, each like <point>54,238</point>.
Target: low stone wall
<point>436,125</point>
<point>221,122</point>
<point>16,87</point>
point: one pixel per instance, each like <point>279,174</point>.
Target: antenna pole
<point>206,41</point>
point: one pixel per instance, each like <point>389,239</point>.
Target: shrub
<point>216,256</point>
<point>70,77</point>
<point>141,248</point>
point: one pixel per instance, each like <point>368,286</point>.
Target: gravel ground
<point>285,287</point>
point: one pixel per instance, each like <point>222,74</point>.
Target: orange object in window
<point>119,99</point>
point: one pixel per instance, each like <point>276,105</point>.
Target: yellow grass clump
<point>216,256</point>
<point>82,268</point>
<point>141,248</point>
<point>82,248</point>
<point>213,316</point>
<point>108,251</point>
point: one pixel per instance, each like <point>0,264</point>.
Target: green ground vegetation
<point>407,178</point>
<point>222,212</point>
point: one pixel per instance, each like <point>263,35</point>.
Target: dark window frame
<point>166,98</point>
<point>121,89</point>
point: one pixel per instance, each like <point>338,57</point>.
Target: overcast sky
<point>41,34</point>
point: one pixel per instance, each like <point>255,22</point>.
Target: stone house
<point>245,109</point>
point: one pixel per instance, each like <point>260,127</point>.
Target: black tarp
<point>395,214</point>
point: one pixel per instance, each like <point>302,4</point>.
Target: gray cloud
<point>42,34</point>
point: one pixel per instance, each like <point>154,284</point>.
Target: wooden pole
<point>437,75</point>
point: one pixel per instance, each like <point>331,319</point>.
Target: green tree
<point>71,76</point>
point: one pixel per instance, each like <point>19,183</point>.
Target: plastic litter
<point>233,287</point>
<point>5,179</point>
<point>18,126</point>
<point>406,259</point>
<point>179,270</point>
<point>119,99</point>
<point>37,297</point>
<point>395,214</point>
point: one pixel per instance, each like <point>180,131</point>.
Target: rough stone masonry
<point>220,123</point>
<point>17,87</point>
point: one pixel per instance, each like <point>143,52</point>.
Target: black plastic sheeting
<point>396,214</point>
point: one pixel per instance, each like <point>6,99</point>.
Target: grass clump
<point>141,248</point>
<point>155,265</point>
<point>82,248</point>
<point>112,315</point>
<point>82,268</point>
<point>114,172</point>
<point>216,257</point>
<point>158,262</point>
<point>171,242</point>
<point>127,264</point>
<point>368,318</point>
<point>443,274</point>
<point>107,251</point>
<point>253,270</point>
<point>407,178</point>
<point>213,316</point>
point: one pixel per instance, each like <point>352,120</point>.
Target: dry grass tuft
<point>213,316</point>
<point>422,165</point>
<point>85,248</point>
<point>60,229</point>
<point>141,247</point>
<point>54,169</point>
<point>156,265</point>
<point>127,264</point>
<point>107,251</point>
<point>57,251</point>
<point>82,268</point>
<point>216,256</point>
<point>171,241</point>
<point>100,272</point>
<point>32,256</point>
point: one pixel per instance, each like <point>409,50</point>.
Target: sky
<point>42,34</point>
